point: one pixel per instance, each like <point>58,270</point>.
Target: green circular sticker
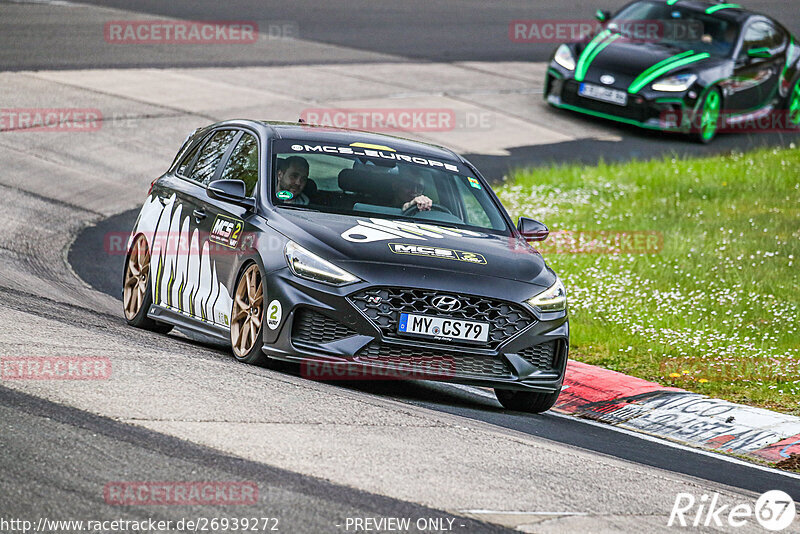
<point>284,195</point>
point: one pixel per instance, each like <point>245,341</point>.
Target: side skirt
<point>182,320</point>
<point>749,116</point>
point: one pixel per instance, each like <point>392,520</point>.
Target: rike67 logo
<point>774,510</point>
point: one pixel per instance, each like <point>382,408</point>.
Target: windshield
<point>677,26</point>
<point>370,180</point>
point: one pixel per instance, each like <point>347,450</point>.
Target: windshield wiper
<point>296,207</point>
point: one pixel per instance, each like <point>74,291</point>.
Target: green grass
<point>716,309</point>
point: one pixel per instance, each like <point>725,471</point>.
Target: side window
<point>187,160</point>
<point>776,37</point>
<point>209,158</point>
<point>761,34</point>
<point>243,163</point>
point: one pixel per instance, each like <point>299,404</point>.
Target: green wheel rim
<point>794,105</point>
<point>710,116</point>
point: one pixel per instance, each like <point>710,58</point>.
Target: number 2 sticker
<point>274,314</point>
<point>236,231</point>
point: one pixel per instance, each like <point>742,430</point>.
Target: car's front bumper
<point>334,334</point>
<point>653,111</point>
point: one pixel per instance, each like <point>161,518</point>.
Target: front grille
<point>638,112</point>
<point>542,356</point>
<point>312,327</point>
<point>427,361</point>
<point>383,305</point>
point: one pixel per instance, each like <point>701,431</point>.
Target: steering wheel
<point>413,209</point>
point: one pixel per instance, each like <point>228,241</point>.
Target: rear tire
<point>708,113</point>
<point>526,401</point>
<point>137,291</point>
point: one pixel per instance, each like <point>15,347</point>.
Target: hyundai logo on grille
<point>447,304</point>
<point>607,79</point>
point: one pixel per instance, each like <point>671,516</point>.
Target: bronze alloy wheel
<point>137,277</point>
<point>248,312</point>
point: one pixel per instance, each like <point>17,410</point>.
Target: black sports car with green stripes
<point>689,66</point>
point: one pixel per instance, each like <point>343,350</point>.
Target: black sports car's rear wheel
<point>526,401</point>
<point>709,117</point>
<point>137,295</point>
<point>793,106</point>
<point>247,317</point>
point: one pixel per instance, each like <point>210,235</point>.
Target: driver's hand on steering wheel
<point>422,203</point>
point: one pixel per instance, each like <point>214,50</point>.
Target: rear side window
<point>187,160</point>
<point>210,156</point>
<point>762,34</point>
<point>243,163</point>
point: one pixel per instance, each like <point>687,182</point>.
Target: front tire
<point>247,317</point>
<point>137,291</point>
<point>709,117</point>
<point>526,401</point>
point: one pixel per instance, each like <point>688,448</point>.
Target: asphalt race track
<point>303,503</point>
<point>37,35</point>
<point>176,408</point>
<point>473,403</point>
<point>438,30</point>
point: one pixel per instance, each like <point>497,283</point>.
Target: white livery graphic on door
<point>184,276</point>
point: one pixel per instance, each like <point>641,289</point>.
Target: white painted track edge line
<point>518,512</point>
<point>674,445</point>
<point>651,438</point>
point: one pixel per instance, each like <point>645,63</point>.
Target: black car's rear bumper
<point>343,333</point>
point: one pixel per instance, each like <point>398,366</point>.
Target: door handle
<point>199,214</point>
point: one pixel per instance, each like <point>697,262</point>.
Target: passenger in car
<point>407,190</point>
<point>292,177</point>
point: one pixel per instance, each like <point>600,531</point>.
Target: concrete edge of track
<point>675,414</point>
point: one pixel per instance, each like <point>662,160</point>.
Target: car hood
<point>627,60</point>
<point>348,241</point>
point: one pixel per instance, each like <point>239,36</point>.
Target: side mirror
<point>233,191</point>
<point>761,52</point>
<point>602,15</point>
<point>532,230</point>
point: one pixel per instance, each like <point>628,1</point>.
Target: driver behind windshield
<point>407,190</point>
<point>292,177</point>
<point>719,40</point>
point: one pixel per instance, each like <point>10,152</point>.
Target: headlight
<point>310,266</point>
<point>552,299</point>
<point>675,84</point>
<point>564,57</point>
